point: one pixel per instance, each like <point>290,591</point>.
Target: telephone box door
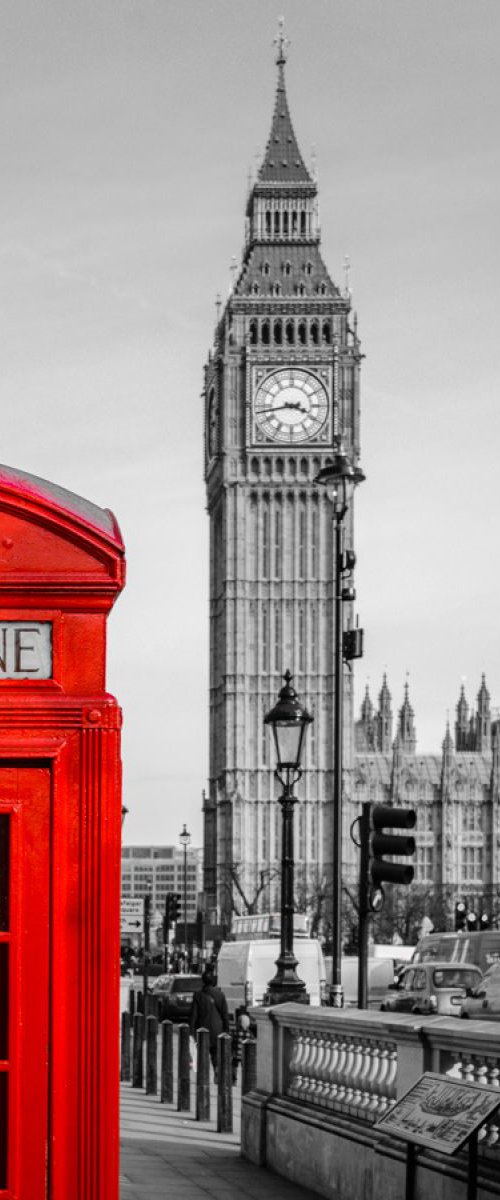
<point>24,981</point>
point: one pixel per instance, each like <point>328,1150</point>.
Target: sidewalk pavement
<point>166,1155</point>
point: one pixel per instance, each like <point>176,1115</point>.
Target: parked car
<point>483,1003</point>
<point>434,987</point>
<point>175,994</point>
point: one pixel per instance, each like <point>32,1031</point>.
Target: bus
<point>481,948</point>
<point>267,925</point>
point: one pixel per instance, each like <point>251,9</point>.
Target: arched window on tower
<point>314,640</point>
<point>302,329</point>
<point>276,289</point>
<point>265,334</point>
<point>314,825</point>
<point>287,268</point>
<point>314,543</point>
<point>295,224</point>
<point>277,543</point>
<point>308,267</point>
<point>278,333</point>
<point>266,267</point>
<point>253,333</point>
<point>302,640</point>
<point>277,224</point>
<point>303,224</point>
<point>327,333</point>
<point>285,224</point>
<point>268,223</point>
<point>265,637</point>
<point>302,543</point>
<point>277,637</point>
<point>314,333</point>
<point>265,544</point>
<point>290,333</point>
<point>302,831</point>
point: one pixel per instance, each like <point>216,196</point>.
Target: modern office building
<point>159,870</point>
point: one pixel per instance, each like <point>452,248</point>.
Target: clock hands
<point>279,407</point>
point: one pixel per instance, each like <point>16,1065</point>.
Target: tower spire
<point>282,43</point>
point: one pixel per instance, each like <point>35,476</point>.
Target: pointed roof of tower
<point>282,162</point>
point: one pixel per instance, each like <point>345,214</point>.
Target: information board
<point>440,1112</point>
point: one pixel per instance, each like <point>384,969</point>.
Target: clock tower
<point>281,394</point>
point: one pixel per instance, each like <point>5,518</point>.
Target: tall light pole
<point>185,838</point>
<point>339,478</point>
<point>288,720</point>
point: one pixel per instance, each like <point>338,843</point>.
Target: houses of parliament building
<point>281,396</point>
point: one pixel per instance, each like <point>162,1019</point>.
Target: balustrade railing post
<point>183,1063</point>
<point>203,1075</point>
<point>151,1056</point>
<point>138,1041</point>
<point>125,1048</point>
<point>224,1084</point>
<point>167,1063</point>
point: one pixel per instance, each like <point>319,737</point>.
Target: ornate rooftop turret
<point>406,725</point>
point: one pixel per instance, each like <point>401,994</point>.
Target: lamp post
<point>185,838</point>
<point>288,720</point>
<point>339,478</point>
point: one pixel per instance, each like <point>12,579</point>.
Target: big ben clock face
<point>291,406</point>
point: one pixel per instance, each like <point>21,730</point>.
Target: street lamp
<point>185,838</point>
<point>339,478</point>
<point>288,720</point>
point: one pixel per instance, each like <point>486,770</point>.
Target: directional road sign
<point>132,915</point>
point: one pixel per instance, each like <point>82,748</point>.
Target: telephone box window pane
<point>4,1001</point>
<point>4,1083</point>
<point>4,871</point>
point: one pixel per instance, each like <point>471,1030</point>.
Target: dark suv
<point>175,995</point>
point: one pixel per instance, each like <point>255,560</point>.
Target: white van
<point>245,968</point>
<point>380,976</point>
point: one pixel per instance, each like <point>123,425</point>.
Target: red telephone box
<point>61,567</point>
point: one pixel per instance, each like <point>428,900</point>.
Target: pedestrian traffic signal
<point>175,906</point>
<point>471,920</point>
<point>485,921</point>
<point>387,817</point>
<point>460,916</point>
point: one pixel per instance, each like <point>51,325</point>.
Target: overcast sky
<point>129,128</point>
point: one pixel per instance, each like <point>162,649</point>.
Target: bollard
<point>125,1048</point>
<point>224,1084</point>
<point>138,1040</point>
<point>248,1066</point>
<point>167,1063</point>
<point>139,1002</point>
<point>151,1056</point>
<point>183,1082</point>
<point>203,1076</point>
<point>131,1003</point>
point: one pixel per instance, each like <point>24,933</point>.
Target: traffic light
<point>167,920</point>
<point>460,916</point>
<point>175,906</point>
<point>471,920</point>
<point>485,922</point>
<point>387,817</point>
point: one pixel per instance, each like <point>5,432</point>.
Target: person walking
<point>209,1011</point>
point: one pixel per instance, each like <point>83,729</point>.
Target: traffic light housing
<point>471,920</point>
<point>388,817</point>
<point>175,906</point>
<point>460,916</point>
<point>485,922</point>
<point>167,919</point>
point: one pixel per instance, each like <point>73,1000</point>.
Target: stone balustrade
<point>336,1072</point>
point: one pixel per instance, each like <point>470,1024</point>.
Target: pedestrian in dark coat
<point>209,1011</point>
